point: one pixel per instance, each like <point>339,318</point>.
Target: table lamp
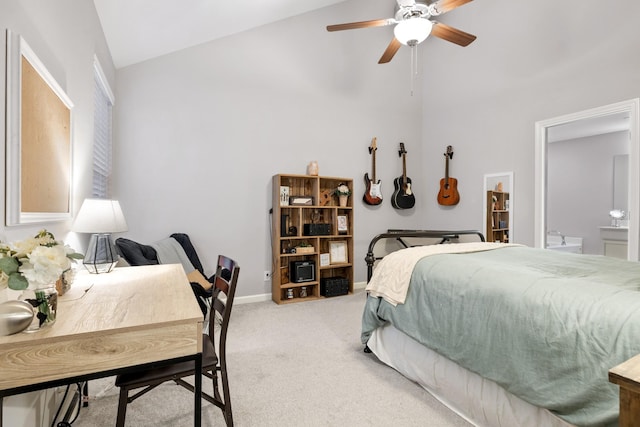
<point>100,217</point>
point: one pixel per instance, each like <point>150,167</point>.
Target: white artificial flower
<point>25,246</point>
<point>44,264</point>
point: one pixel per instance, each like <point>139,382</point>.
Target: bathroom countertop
<point>609,232</point>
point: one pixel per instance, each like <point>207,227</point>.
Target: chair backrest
<point>225,282</point>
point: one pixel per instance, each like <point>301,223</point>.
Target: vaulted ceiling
<point>137,30</point>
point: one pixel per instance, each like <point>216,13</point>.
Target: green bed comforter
<point>546,326</point>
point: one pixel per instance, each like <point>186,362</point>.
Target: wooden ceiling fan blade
<point>451,34</point>
<point>390,51</point>
<point>361,24</point>
<point>444,6</point>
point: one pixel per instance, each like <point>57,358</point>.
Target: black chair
<point>213,353</point>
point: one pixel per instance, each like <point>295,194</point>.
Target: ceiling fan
<point>413,25</point>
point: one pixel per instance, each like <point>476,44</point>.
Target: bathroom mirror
<point>547,181</point>
<point>620,182</point>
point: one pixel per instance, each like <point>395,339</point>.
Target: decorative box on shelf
<point>305,249</point>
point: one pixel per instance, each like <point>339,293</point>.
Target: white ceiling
<point>137,30</point>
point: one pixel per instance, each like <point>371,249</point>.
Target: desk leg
<point>629,408</point>
<point>197,416</point>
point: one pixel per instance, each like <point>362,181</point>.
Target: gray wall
<point>200,132</point>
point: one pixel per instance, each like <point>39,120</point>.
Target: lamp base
<point>102,255</point>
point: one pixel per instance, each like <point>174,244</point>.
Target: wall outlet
<point>267,276</point>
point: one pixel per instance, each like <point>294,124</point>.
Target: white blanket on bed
<point>390,279</point>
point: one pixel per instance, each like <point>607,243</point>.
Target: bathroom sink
<point>569,247</point>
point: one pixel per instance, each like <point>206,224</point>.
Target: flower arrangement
<point>33,262</point>
<point>342,190</point>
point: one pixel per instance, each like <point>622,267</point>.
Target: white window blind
<point>103,105</point>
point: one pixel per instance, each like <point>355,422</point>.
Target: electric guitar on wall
<point>373,194</point>
<point>448,194</point>
<point>403,197</point>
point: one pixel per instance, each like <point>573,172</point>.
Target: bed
<point>505,335</point>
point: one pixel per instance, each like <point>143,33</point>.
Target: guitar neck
<point>373,166</point>
<point>404,169</point>
<point>446,168</point>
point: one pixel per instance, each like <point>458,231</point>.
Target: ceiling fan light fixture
<point>412,31</point>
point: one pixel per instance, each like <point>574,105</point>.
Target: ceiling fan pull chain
<point>414,65</point>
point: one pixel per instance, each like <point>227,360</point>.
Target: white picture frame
<point>343,224</point>
<point>284,195</point>
<point>338,252</point>
<point>325,260</point>
<point>39,128</point>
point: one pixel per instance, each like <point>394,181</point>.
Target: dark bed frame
<point>445,236</point>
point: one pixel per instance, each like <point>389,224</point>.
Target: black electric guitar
<point>403,197</point>
<point>372,195</point>
<point>448,194</point>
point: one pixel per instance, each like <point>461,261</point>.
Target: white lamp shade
<point>413,30</point>
<point>100,216</point>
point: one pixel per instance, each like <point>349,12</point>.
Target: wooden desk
<point>627,376</point>
<point>106,324</point>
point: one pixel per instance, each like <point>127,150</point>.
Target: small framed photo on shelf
<point>284,195</point>
<point>338,252</point>
<point>325,260</point>
<point>343,224</point>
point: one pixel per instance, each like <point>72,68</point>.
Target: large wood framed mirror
<point>595,154</point>
<point>39,140</point>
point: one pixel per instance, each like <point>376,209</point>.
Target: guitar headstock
<point>449,152</point>
<point>402,150</point>
<point>373,147</point>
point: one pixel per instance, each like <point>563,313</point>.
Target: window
<point>103,105</point>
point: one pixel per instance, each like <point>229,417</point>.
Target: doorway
<point>544,134</point>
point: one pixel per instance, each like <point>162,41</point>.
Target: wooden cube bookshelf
<point>498,222</point>
<point>299,234</point>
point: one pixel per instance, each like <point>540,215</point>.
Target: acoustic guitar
<point>448,194</point>
<point>403,197</point>
<point>373,194</point>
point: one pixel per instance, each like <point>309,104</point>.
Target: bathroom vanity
<point>615,241</point>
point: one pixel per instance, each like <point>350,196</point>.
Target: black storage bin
<point>334,286</point>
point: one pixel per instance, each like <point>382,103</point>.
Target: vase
<point>44,300</point>
<point>343,200</point>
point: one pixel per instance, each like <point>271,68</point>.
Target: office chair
<point>214,358</point>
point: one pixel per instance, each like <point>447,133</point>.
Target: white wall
<point>532,61</point>
<point>65,35</point>
<point>200,133</point>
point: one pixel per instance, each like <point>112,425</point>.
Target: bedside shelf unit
<point>299,237</point>
<point>498,222</point>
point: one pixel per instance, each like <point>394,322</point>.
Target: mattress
<point>480,401</point>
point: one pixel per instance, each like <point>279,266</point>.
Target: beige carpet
<point>290,365</point>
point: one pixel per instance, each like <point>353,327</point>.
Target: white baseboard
<point>359,285</point>
<point>252,298</point>
<point>267,297</point>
